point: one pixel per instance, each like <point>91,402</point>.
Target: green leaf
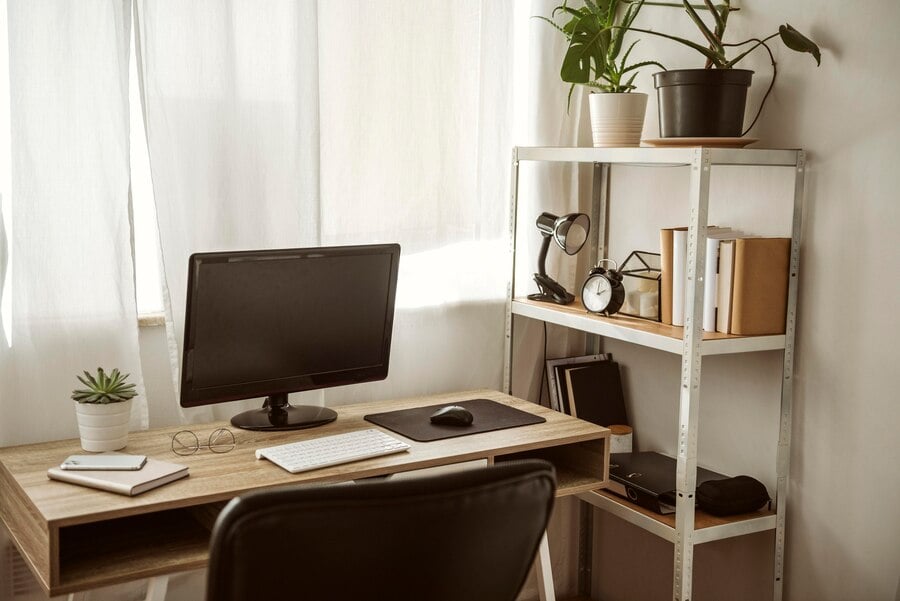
<point>554,25</point>
<point>586,53</point>
<point>91,382</point>
<point>709,35</point>
<point>718,59</point>
<point>720,23</point>
<point>569,99</point>
<point>798,42</point>
<point>622,68</point>
<point>634,66</point>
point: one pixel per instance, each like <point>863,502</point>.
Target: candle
<point>649,305</point>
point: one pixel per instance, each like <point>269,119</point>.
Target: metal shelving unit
<point>690,526</point>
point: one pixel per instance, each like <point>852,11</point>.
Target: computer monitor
<point>266,323</point>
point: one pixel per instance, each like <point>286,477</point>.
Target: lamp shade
<point>568,231</point>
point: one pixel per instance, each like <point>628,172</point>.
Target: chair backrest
<point>470,536</point>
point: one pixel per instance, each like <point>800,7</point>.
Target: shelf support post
<point>511,283</point>
<point>783,458</point>
<point>689,393</point>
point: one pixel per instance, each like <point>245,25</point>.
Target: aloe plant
<point>104,388</point>
<point>715,52</point>
<point>596,33</point>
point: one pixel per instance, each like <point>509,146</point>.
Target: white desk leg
<point>77,596</point>
<point>156,588</point>
<point>544,573</point>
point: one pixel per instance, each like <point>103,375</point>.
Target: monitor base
<point>278,414</point>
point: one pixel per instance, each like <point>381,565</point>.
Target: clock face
<point>596,293</point>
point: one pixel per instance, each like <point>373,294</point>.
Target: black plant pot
<point>702,103</point>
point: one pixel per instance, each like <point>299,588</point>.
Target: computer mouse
<point>452,415</point>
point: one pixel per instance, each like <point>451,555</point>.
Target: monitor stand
<point>278,414</point>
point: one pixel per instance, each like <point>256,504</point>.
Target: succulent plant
<point>104,388</point>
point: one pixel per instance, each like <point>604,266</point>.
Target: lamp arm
<point>542,255</point>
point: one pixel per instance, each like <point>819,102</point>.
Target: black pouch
<point>741,494</point>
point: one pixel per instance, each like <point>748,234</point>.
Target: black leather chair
<point>465,536</point>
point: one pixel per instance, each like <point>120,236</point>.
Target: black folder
<point>648,479</point>
<point>595,393</point>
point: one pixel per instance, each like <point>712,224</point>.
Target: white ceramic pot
<point>617,119</point>
<point>103,427</point>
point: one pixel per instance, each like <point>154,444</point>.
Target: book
<point>713,237</point>
<point>155,473</point>
<point>679,275</point>
<point>666,236</point>
<point>724,284</point>
<point>595,393</point>
<point>556,378</point>
<point>648,479</point>
<point>759,291</point>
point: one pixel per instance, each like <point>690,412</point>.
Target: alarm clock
<point>603,291</point>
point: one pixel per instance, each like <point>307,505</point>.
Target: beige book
<point>666,247</point>
<point>759,293</point>
<point>124,482</point>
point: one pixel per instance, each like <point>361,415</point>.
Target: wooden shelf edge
<point>648,156</point>
<point>642,332</point>
<point>706,527</point>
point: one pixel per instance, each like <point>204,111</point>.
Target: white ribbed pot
<point>103,427</point>
<point>617,119</point>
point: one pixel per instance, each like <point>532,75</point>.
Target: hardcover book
<point>759,303</point>
<point>155,473</point>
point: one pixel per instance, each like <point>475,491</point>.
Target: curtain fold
<point>69,232</point>
<point>231,110</point>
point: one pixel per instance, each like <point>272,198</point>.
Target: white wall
<point>843,536</point>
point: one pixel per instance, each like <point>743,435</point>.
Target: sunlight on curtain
<point>72,297</point>
<point>231,106</point>
<point>416,133</point>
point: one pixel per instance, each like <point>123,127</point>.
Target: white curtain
<point>343,123</point>
<point>68,253</point>
<point>231,111</point>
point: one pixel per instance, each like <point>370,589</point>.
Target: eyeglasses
<point>186,442</point>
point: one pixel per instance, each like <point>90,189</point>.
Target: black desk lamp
<point>570,233</point>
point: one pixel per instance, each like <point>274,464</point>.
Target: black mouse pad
<point>487,415</point>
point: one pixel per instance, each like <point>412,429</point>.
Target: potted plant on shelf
<point>103,410</point>
<point>596,33</point>
<point>710,102</point>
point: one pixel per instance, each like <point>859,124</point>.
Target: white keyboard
<point>312,454</point>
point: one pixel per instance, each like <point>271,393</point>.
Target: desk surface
<point>76,538</point>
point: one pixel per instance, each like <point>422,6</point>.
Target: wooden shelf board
<point>660,156</point>
<point>580,467</point>
<point>641,331</point>
<point>664,525</point>
<point>97,554</point>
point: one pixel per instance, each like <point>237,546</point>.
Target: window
<point>148,276</point>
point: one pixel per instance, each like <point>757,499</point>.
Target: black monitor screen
<point>270,322</point>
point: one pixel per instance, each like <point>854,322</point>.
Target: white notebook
<point>124,482</point>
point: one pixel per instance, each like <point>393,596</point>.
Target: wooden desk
<point>75,538</point>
